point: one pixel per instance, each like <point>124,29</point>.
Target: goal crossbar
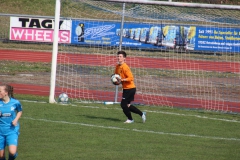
<point>179,4</point>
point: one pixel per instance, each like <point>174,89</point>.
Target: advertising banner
<point>108,33</point>
<point>38,30</point>
<point>140,35</point>
<point>136,35</point>
<point>215,39</point>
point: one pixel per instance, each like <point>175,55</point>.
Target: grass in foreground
<point>97,131</point>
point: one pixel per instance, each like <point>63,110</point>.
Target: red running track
<point>154,63</point>
<point>169,101</point>
<point>84,59</point>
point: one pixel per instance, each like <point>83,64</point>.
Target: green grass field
<point>96,131</point>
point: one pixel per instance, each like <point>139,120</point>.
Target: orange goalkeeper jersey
<point>126,74</point>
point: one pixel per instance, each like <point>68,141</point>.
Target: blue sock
<point>12,157</point>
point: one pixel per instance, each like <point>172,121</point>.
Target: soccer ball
<point>116,79</point>
<point>63,98</point>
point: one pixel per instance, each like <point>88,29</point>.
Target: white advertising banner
<point>39,29</point>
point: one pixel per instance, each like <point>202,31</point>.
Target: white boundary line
<point>197,116</point>
<point>135,130</point>
<point>170,113</point>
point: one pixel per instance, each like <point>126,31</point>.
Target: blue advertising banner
<point>198,38</point>
<point>215,39</point>
<point>108,33</point>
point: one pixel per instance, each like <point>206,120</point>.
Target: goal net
<point>181,54</point>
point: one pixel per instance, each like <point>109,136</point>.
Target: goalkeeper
<point>129,88</point>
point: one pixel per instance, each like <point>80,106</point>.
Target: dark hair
<point>123,53</point>
<point>9,89</point>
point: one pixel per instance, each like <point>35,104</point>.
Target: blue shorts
<point>7,140</point>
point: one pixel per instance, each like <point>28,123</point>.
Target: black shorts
<point>128,95</point>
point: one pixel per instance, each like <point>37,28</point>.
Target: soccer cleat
<point>129,121</point>
<point>144,117</point>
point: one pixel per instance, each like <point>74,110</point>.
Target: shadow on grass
<point>104,118</point>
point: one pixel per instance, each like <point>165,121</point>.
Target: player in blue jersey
<point>10,112</point>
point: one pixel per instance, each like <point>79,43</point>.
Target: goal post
<point>54,52</point>
<point>120,47</point>
<point>181,54</point>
